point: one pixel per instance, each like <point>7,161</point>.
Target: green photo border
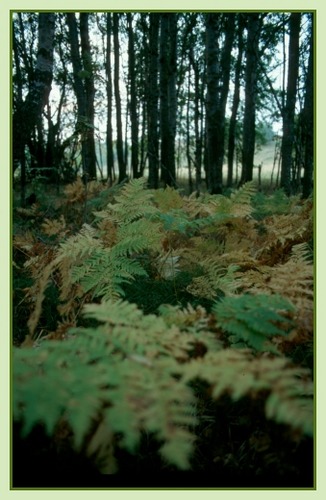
<point>6,7</point>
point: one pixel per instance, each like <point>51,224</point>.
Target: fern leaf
<point>133,202</point>
<point>254,319</point>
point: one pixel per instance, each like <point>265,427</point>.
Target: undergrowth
<point>143,308</point>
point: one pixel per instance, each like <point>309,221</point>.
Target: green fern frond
<point>216,278</point>
<point>274,204</point>
<point>133,202</point>
<point>138,236</point>
<point>79,245</point>
<point>239,203</point>
<point>254,319</point>
<point>125,368</point>
<point>103,273</point>
<point>288,390</point>
<point>242,199</point>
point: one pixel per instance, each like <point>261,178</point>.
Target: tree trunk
<point>133,100</point>
<point>308,121</point>
<point>212,114</point>
<point>218,76</point>
<point>235,103</point>
<point>168,97</point>
<point>153,93</point>
<point>121,162</point>
<point>249,121</point>
<point>225,83</point>
<point>90,94</point>
<point>82,69</point>
<point>30,113</point>
<point>109,132</point>
<point>289,110</point>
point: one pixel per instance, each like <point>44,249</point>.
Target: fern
<point>103,274</point>
<point>136,373</point>
<point>216,279</point>
<point>133,202</point>
<point>126,373</point>
<point>288,390</point>
<point>254,319</point>
<point>277,203</point>
<point>126,368</point>
<point>239,203</point>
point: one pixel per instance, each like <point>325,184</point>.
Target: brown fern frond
<point>282,233</point>
<point>40,288</point>
<point>75,192</point>
<point>53,227</point>
<point>167,199</point>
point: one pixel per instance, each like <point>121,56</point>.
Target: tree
<point>121,161</point>
<point>108,71</point>
<point>84,89</point>
<point>133,99</point>
<point>168,68</point>
<point>214,178</point>
<point>28,114</point>
<point>236,101</point>
<point>289,110</point>
<point>308,120</point>
<point>152,105</point>
<point>218,76</point>
<point>249,120</point>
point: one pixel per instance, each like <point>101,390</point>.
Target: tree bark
<point>249,121</point>
<point>109,132</point>
<point>308,121</point>
<point>213,179</point>
<point>225,83</point>
<point>121,162</point>
<point>168,97</point>
<point>218,76</point>
<point>30,112</point>
<point>235,103</point>
<point>133,100</point>
<point>153,94</point>
<point>84,90</point>
<point>89,94</point>
<point>289,110</point>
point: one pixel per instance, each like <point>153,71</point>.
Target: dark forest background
<point>122,95</point>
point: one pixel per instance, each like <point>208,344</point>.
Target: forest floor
<point>236,445</point>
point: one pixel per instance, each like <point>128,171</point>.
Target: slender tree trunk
<point>218,76</point>
<point>235,103</point>
<point>18,149</point>
<point>289,110</point>
<point>121,162</point>
<point>225,83</point>
<point>89,94</point>
<point>308,121</point>
<point>164,114</point>
<point>109,132</point>
<point>153,93</point>
<point>249,121</point>
<point>198,118</point>
<point>213,177</point>
<point>188,133</point>
<point>168,97</point>
<point>133,100</point>
<point>82,66</point>
<point>172,93</point>
<point>30,113</point>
